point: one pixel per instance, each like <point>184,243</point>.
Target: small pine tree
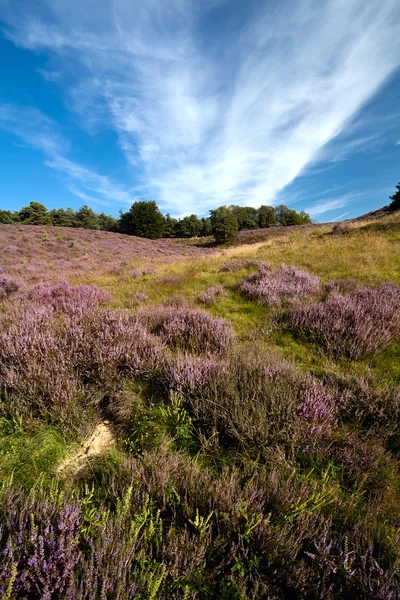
<point>395,204</point>
<point>144,220</point>
<point>7,217</point>
<point>169,226</point>
<point>87,218</point>
<point>35,214</point>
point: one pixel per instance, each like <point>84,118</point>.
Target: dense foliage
<point>144,219</point>
<point>224,225</point>
<point>395,204</point>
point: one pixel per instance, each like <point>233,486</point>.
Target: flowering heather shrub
<point>140,272</point>
<point>8,286</point>
<point>237,265</point>
<point>211,293</point>
<point>51,355</point>
<point>362,458</point>
<point>176,301</point>
<point>65,297</point>
<point>257,398</point>
<point>285,284</point>
<point>192,330</point>
<point>319,403</point>
<point>192,373</point>
<point>38,548</point>
<point>368,407</point>
<point>361,323</point>
<point>169,528</point>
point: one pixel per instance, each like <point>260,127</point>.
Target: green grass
<point>367,252</point>
<point>29,452</point>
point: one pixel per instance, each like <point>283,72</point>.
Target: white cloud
<point>212,119</point>
<point>340,217</point>
<point>40,132</point>
<point>398,143</point>
<point>51,76</point>
<point>330,204</point>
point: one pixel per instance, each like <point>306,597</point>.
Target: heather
<point>211,294</point>
<point>251,400</point>
<point>353,325</point>
<point>281,285</point>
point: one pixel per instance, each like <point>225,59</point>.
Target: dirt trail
<point>101,440</point>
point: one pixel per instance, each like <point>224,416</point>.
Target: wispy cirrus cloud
<point>35,129</point>
<point>330,204</point>
<point>206,119</point>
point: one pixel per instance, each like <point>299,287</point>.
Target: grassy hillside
<point>184,422</point>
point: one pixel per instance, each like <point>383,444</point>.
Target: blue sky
<point>197,104</point>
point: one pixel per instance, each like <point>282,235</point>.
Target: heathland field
<point>183,421</point>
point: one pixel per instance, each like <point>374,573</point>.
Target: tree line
<point>144,219</point>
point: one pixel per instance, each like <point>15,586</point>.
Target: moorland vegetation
<point>253,395</point>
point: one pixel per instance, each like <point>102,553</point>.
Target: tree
<point>107,223</point>
<point>8,218</point>
<point>224,225</point>
<point>245,216</point>
<point>395,204</point>
<point>266,217</point>
<point>87,218</point>
<point>35,214</point>
<point>169,226</point>
<point>143,219</point>
<point>64,218</point>
<point>206,228</point>
<point>286,216</point>
<point>305,216</point>
<point>188,227</point>
<point>282,215</point>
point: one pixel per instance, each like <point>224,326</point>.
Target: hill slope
<point>198,424</point>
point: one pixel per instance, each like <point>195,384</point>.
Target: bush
<point>58,345</point>
<point>361,323</point>
<point>191,330</point>
<point>8,286</point>
<point>285,284</point>
<point>192,374</point>
<point>67,298</point>
<point>211,293</point>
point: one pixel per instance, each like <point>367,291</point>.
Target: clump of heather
<point>141,272</point>
<point>211,293</point>
<point>191,330</point>
<point>38,548</point>
<point>176,301</point>
<point>8,285</point>
<point>284,284</point>
<point>318,403</point>
<point>53,352</point>
<point>191,374</point>
<point>65,297</point>
<point>237,265</point>
<point>251,401</point>
<point>353,325</point>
